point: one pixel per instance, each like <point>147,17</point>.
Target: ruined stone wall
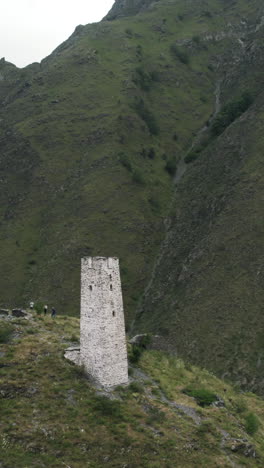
<point>103,341</point>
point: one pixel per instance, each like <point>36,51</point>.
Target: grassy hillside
<point>171,415</point>
<point>90,139</point>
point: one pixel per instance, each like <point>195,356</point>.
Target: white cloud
<point>31,29</point>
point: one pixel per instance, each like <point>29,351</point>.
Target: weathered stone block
<point>18,313</point>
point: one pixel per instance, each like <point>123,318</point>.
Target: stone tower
<point>103,341</point>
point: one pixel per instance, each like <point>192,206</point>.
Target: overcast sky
<point>31,29</point>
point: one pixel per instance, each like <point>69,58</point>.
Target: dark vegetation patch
<point>252,423</point>
<point>145,114</point>
<point>202,396</point>
<point>180,54</point>
<point>231,112</point>
<point>108,408</point>
<point>6,331</point>
<point>136,350</point>
<point>145,79</point>
<point>171,166</point>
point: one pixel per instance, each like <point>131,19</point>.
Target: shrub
<point>135,354</point>
<point>5,332</point>
<point>207,14</point>
<point>32,262</point>
<point>145,114</point>
<point>136,387</point>
<point>108,407</point>
<point>129,32</point>
<point>124,160</point>
<point>143,79</point>
<point>155,76</point>
<point>139,51</point>
<point>154,202</point>
<point>182,55</point>
<point>136,350</point>
<point>202,396</point>
<point>151,153</point>
<point>138,177</point>
<point>230,112</point>
<point>191,156</point>
<point>196,39</point>
<point>39,307</point>
<point>251,423</point>
<point>171,166</point>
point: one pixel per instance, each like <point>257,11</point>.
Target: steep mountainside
<point>206,293</point>
<point>89,143</point>
<point>89,139</point>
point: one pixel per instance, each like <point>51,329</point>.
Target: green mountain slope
<point>86,137</point>
<point>206,294</point>
<point>170,415</point>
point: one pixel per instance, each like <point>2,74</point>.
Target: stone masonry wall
<point>103,340</point>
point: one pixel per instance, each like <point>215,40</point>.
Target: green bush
<point>145,114</point>
<point>191,156</point>
<point>251,423</point>
<point>129,32</point>
<point>138,177</point>
<point>136,350</point>
<point>171,166</point>
<point>124,160</point>
<point>6,331</point>
<point>135,354</point>
<point>202,396</point>
<point>196,39</point>
<point>108,407</point>
<point>155,203</point>
<point>143,79</point>
<point>230,112</point>
<point>39,307</point>
<point>207,14</point>
<point>180,54</point>
<point>136,387</point>
<point>151,153</point>
<point>139,51</point>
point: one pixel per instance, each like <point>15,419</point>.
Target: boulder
<point>73,354</point>
<point>243,446</point>
<point>18,313</point>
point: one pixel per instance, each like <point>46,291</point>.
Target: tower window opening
<point>111,287</point>
<point>113,313</point>
<point>91,288</point>
<point>110,276</point>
